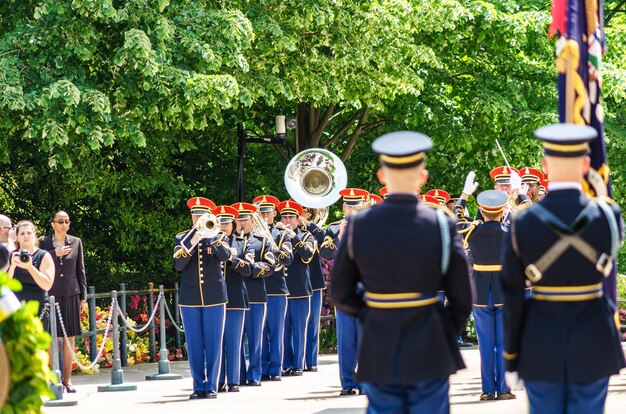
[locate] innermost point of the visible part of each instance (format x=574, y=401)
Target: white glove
x=470, y=185
x=513, y=380
x=516, y=181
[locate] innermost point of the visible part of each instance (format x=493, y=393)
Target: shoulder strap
x=350, y=242
x=613, y=227
x=445, y=240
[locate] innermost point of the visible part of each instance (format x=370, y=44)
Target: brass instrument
x=314, y=177
x=207, y=226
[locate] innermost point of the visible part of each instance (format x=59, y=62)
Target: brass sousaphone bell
x=314, y=177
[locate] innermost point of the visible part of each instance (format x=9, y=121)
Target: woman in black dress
x=36, y=273
x=70, y=285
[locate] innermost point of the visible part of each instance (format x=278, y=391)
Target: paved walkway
x=311, y=393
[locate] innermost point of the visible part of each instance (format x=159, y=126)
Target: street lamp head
x=290, y=122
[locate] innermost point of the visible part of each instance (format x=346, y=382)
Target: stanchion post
x=176, y=316
x=164, y=362
x=124, y=331
x=57, y=389
x=152, y=324
x=93, y=339
x=117, y=375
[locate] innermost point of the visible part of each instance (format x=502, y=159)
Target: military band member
x=318, y=285
x=452, y=201
x=383, y=192
x=543, y=189
x=532, y=178
x=348, y=325
x=562, y=341
x=441, y=195
x=299, y=285
x=202, y=299
x=484, y=241
x=272, y=349
x=235, y=270
x=264, y=264
x=408, y=349
x=373, y=199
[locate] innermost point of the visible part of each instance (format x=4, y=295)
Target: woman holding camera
x=69, y=287
x=32, y=266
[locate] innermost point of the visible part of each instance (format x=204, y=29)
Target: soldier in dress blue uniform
x=237, y=268
x=272, y=349
x=531, y=177
x=348, y=326
x=264, y=263
x=484, y=242
x=318, y=285
x=299, y=285
x=408, y=349
x=562, y=341
x=202, y=299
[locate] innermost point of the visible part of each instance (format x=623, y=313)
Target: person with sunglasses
x=70, y=285
x=7, y=235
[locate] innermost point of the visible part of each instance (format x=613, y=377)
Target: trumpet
x=206, y=227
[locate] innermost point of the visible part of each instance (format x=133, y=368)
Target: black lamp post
x=245, y=137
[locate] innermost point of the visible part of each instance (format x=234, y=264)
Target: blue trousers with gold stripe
x=204, y=331
x=348, y=340
x=429, y=396
x=253, y=330
x=272, y=348
x=556, y=397
x=295, y=332
x=313, y=329
x=489, y=330
x=231, y=363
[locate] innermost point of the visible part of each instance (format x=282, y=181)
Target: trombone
x=207, y=226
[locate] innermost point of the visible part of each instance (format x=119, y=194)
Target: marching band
x=262, y=280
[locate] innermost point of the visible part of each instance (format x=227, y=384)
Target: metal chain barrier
x=114, y=309
x=46, y=306
x=167, y=308
x=147, y=325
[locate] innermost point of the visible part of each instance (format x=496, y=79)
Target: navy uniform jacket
x=264, y=263
x=328, y=248
x=202, y=282
x=275, y=284
x=298, y=274
x=484, y=241
x=521, y=202
x=318, y=281
x=236, y=270
x=402, y=346
x=558, y=341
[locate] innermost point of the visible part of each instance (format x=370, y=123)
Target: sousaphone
x=314, y=177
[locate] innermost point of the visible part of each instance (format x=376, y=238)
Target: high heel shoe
x=69, y=389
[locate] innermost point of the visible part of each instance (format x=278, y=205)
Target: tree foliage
x=119, y=110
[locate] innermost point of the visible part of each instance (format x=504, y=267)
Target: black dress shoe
x=275, y=378
x=254, y=383
x=233, y=388
x=310, y=369
x=197, y=395
x=286, y=372
x=296, y=372
x=349, y=391
x=222, y=388
x=211, y=395
x=265, y=377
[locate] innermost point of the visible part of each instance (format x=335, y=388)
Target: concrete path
x=312, y=393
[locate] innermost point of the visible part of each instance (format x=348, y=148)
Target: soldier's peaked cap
x=402, y=149
x=492, y=201
x=566, y=140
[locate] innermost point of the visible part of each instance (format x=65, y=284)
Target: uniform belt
x=567, y=293
x=399, y=300
x=488, y=268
